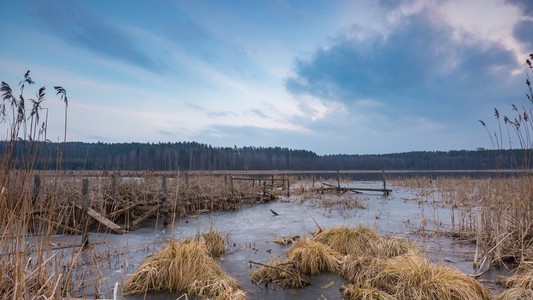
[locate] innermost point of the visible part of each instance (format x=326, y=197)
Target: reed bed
x=120, y=199
x=496, y=212
x=184, y=266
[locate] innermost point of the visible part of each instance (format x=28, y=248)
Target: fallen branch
x=317, y=225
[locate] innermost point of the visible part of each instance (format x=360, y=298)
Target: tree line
x=187, y=156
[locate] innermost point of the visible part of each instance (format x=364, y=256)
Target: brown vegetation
x=184, y=266
x=313, y=257
x=280, y=273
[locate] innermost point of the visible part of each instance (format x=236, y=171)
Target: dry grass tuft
x=516, y=294
x=347, y=240
x=283, y=274
x=184, y=266
x=359, y=269
x=413, y=277
x=356, y=292
x=390, y=247
x=215, y=243
x=285, y=240
x=313, y=257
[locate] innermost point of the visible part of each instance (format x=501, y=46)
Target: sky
x=349, y=77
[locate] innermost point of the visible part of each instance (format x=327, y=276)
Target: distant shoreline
x=127, y=173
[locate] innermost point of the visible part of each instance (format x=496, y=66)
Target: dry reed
x=184, y=266
x=346, y=240
x=355, y=292
x=312, y=257
x=214, y=242
x=413, y=277
x=285, y=240
x=523, y=278
x=283, y=274
x=515, y=294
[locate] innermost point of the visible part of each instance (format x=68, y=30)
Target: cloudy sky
x=356, y=77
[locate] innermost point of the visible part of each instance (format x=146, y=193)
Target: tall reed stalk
x=506, y=210
x=29, y=269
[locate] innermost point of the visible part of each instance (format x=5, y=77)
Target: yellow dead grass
x=215, y=243
x=347, y=240
x=313, y=257
x=184, y=266
x=516, y=294
x=283, y=274
x=356, y=292
x=413, y=277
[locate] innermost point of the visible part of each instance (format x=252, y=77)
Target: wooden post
x=338, y=182
x=84, y=215
x=385, y=192
x=164, y=195
x=225, y=182
x=231, y=185
x=114, y=185
x=36, y=188
x=288, y=186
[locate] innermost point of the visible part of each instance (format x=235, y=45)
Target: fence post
x=232, y=187
x=338, y=182
x=385, y=192
x=164, y=189
x=114, y=185
x=84, y=208
x=36, y=188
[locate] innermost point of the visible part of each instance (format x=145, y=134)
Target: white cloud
x=314, y=109
x=489, y=21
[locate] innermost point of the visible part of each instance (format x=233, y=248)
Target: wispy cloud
x=75, y=23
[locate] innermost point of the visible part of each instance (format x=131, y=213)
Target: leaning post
x=84, y=208
x=385, y=192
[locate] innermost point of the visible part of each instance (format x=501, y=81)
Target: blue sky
x=332, y=77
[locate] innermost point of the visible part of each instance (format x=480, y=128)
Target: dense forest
x=195, y=156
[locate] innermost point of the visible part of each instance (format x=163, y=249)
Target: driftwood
x=354, y=189
x=103, y=220
x=274, y=212
x=317, y=225
x=143, y=217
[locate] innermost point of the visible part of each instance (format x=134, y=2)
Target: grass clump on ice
x=356, y=292
x=312, y=257
x=363, y=241
x=413, y=277
x=345, y=240
x=215, y=243
x=283, y=274
x=515, y=294
x=184, y=266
